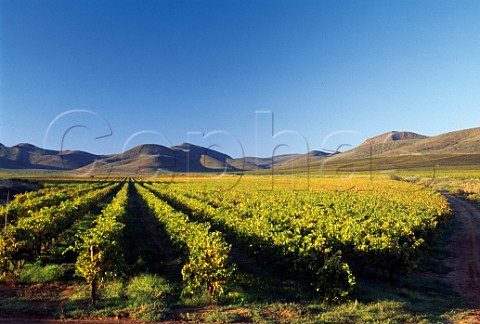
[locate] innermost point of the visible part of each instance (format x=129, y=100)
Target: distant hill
x=279, y=161
x=463, y=141
x=412, y=149
x=400, y=143
x=393, y=136
x=28, y=156
x=409, y=150
x=383, y=143
x=151, y=158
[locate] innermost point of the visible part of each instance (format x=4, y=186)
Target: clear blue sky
x=174, y=67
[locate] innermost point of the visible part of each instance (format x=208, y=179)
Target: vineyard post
x=6, y=212
x=93, y=284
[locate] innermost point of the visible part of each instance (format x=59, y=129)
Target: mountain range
x=383, y=151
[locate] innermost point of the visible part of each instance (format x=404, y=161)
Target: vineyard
x=198, y=238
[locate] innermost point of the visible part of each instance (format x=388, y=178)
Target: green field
x=232, y=248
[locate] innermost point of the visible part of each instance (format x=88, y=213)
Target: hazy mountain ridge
x=186, y=157
x=28, y=156
x=393, y=136
x=150, y=158
x=401, y=143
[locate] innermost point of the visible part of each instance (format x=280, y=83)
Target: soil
x=6, y=318
x=465, y=252
x=44, y=296
x=147, y=231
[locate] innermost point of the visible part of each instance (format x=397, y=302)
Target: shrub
x=113, y=289
x=335, y=279
x=457, y=191
x=474, y=197
x=148, y=294
x=38, y=273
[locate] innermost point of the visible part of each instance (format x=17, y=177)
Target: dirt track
x=465, y=249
